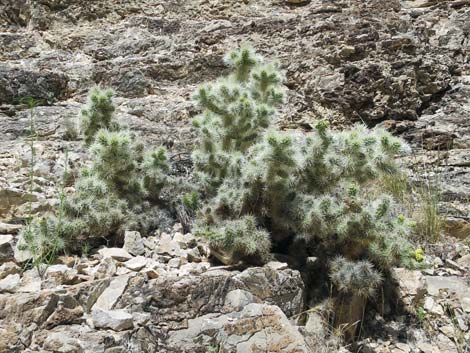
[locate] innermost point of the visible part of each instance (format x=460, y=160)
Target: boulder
x=256, y=328
x=133, y=243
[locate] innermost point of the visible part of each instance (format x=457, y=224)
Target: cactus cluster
x=268, y=186
x=115, y=192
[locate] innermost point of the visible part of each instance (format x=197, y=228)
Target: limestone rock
x=9, y=268
x=117, y=320
x=133, y=243
x=237, y=299
x=6, y=228
x=136, y=263
x=6, y=248
x=258, y=327
x=10, y=283
x=117, y=254
x=451, y=284
x=411, y=284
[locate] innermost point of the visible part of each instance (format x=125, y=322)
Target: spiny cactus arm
x=242, y=61
x=98, y=113
x=266, y=84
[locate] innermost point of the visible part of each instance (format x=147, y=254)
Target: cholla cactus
x=354, y=277
x=98, y=114
x=115, y=161
x=154, y=170
x=119, y=190
x=242, y=238
x=94, y=209
x=236, y=110
x=321, y=185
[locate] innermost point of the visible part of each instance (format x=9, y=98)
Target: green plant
x=430, y=222
x=212, y=349
x=119, y=189
x=421, y=313
x=321, y=187
x=44, y=237
x=191, y=200
x=98, y=114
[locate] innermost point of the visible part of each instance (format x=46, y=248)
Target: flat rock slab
x=111, y=295
x=451, y=284
x=117, y=254
x=117, y=320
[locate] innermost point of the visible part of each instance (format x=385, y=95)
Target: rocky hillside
x=403, y=65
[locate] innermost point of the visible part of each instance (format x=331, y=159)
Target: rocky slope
x=403, y=65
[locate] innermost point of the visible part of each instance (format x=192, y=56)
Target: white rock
x=432, y=307
x=237, y=299
x=464, y=261
x=133, y=243
x=106, y=268
x=31, y=282
x=137, y=263
x=21, y=256
x=112, y=293
x=6, y=228
x=117, y=320
x=403, y=347
x=276, y=265
x=10, y=283
x=174, y=263
x=117, y=254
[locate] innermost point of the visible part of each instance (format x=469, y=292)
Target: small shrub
x=430, y=223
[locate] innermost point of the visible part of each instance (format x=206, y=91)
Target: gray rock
x=412, y=285
x=432, y=307
x=237, y=299
x=44, y=85
x=6, y=248
x=137, y=263
x=117, y=320
x=58, y=342
x=9, y=268
x=133, y=243
x=106, y=268
x=452, y=284
x=117, y=254
x=168, y=246
x=10, y=283
x=112, y=293
x=6, y=228
x=258, y=327
x=464, y=261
